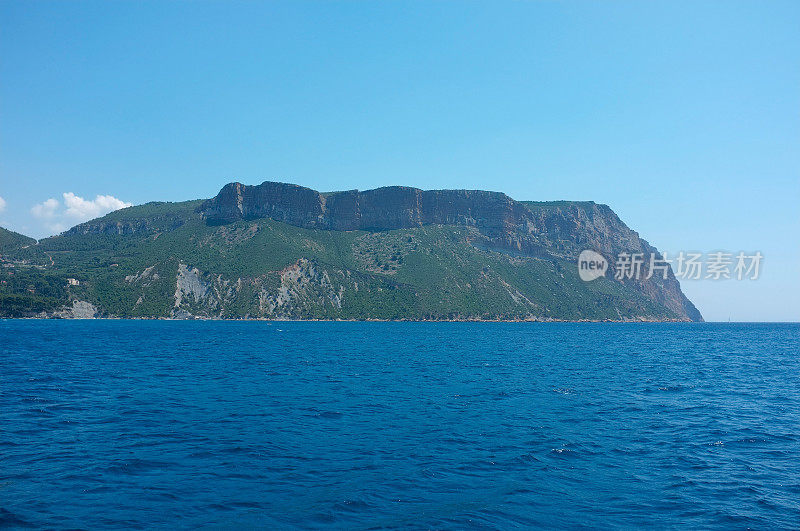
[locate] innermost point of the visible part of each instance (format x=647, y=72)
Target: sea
x=110, y=424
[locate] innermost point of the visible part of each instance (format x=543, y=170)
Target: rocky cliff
x=281, y=251
x=392, y=207
x=536, y=229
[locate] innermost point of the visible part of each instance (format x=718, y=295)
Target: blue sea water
x=130, y=424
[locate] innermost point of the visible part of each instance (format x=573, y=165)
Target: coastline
x=262, y=319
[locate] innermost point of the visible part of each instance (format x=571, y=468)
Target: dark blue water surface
x=384, y=425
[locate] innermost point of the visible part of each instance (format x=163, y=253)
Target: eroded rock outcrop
x=393, y=207
x=302, y=282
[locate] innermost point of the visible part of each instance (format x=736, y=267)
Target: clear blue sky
x=684, y=117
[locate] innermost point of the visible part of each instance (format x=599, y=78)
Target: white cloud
x=46, y=209
x=76, y=209
x=2, y=204
x=82, y=209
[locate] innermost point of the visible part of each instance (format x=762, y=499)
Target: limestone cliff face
x=393, y=207
x=553, y=229
x=567, y=228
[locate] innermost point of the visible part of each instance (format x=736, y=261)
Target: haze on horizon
x=681, y=116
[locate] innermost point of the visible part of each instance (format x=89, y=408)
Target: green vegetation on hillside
x=163, y=260
x=10, y=240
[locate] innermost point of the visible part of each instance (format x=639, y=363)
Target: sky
x=684, y=117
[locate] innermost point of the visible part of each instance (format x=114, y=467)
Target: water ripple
x=115, y=424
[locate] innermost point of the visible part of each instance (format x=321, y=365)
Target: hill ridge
x=279, y=250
